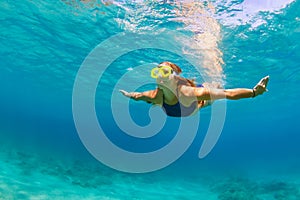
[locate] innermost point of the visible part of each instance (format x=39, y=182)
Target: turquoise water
x=43, y=45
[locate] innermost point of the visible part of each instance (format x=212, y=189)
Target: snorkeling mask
x=161, y=71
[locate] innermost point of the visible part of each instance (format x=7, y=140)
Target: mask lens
x=165, y=71
x=155, y=72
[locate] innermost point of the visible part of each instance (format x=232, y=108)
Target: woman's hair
x=177, y=69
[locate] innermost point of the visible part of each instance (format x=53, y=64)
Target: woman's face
x=164, y=75
x=166, y=81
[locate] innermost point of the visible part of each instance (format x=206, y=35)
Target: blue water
x=43, y=46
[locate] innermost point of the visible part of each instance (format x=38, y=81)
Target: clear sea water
x=43, y=45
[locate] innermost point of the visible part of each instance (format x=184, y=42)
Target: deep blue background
x=43, y=45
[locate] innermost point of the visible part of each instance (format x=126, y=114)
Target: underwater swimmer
x=181, y=97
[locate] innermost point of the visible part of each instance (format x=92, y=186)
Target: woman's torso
x=179, y=105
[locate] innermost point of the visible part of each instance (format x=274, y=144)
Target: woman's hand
x=151, y=96
x=261, y=86
x=125, y=93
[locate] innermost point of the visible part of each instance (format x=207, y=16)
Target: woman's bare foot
x=261, y=86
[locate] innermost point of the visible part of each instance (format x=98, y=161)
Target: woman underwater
x=181, y=97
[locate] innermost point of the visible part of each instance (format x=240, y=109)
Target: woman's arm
x=151, y=96
x=233, y=94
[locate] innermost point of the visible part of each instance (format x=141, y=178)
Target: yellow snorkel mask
x=161, y=71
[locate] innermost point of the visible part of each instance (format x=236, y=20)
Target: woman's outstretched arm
x=151, y=96
x=233, y=94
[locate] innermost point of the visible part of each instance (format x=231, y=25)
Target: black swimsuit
x=179, y=110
